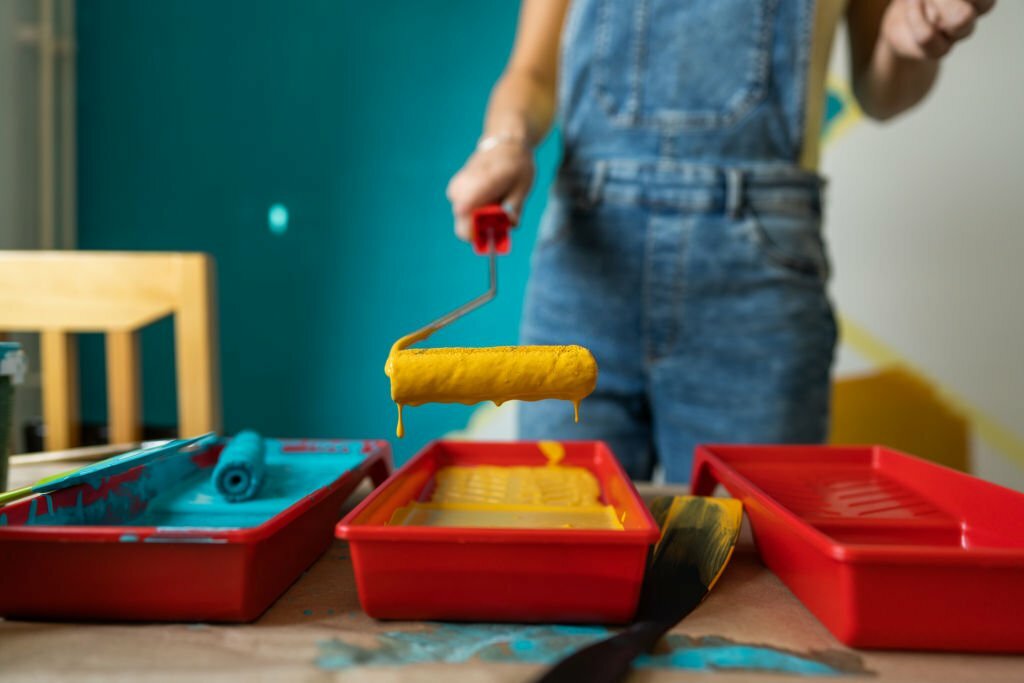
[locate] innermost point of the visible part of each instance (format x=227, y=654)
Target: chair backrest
x=60, y=293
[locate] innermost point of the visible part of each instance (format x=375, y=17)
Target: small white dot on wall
x=277, y=219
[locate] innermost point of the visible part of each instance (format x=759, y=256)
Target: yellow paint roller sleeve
x=499, y=374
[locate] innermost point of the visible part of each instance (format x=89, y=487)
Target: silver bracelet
x=489, y=142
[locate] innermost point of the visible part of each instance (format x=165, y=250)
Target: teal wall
x=195, y=117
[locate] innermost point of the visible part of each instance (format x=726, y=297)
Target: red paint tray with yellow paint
x=887, y=550
x=473, y=569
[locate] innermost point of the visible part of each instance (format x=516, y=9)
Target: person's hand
x=500, y=171
x=928, y=29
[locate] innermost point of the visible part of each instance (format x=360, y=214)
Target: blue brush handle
x=241, y=469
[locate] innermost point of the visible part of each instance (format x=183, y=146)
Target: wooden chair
x=58, y=294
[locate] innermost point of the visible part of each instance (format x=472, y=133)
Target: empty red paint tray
x=887, y=550
x=499, y=574
x=155, y=543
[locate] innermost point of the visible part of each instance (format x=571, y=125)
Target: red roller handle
x=490, y=224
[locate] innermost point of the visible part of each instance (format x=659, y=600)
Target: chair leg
x=124, y=396
x=196, y=349
x=59, y=351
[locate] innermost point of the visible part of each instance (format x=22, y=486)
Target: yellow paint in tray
x=523, y=497
x=476, y=515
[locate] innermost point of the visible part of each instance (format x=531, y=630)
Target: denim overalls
x=682, y=241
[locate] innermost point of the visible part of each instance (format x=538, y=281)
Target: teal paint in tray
x=177, y=491
x=196, y=503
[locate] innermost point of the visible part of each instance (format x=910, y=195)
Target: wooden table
x=316, y=632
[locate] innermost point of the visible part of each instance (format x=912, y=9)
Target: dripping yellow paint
x=553, y=451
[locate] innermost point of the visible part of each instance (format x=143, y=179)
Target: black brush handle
x=608, y=660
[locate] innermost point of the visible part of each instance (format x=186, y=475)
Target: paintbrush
x=106, y=468
x=697, y=539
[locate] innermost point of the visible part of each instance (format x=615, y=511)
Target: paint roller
x=241, y=467
x=499, y=374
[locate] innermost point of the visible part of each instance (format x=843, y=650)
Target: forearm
x=896, y=45
x=519, y=115
x=890, y=84
x=522, y=105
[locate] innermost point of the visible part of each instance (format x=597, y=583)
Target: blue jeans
x=701, y=293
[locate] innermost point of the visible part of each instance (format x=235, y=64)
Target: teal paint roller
x=241, y=468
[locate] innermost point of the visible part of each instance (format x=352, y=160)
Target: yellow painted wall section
x=900, y=409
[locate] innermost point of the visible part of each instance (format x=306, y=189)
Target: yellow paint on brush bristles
x=712, y=526
x=498, y=374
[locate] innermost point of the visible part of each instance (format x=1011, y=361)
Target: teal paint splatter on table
x=721, y=654
x=546, y=644
x=458, y=643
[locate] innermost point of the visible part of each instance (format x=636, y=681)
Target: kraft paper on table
x=750, y=628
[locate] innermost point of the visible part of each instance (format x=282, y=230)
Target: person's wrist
x=489, y=141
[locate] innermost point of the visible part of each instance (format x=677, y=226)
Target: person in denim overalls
x=682, y=241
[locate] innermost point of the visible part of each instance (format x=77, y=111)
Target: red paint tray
x=128, y=547
x=483, y=574
x=887, y=550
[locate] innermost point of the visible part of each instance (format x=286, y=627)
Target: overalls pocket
x=693, y=65
x=791, y=241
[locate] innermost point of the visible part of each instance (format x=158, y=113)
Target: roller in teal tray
x=242, y=467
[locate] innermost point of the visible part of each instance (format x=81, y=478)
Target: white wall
x=926, y=228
